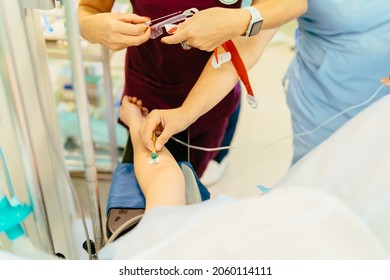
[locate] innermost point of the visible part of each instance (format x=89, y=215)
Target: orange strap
x=239, y=65
x=240, y=68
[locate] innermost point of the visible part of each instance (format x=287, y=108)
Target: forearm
x=214, y=84
x=275, y=13
x=88, y=8
x=92, y=7
x=162, y=183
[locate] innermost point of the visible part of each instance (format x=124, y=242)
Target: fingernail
x=147, y=22
x=158, y=146
x=172, y=30
x=162, y=41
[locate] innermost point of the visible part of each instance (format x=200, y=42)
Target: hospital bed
x=333, y=204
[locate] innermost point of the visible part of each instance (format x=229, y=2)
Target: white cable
x=328, y=120
x=289, y=136
x=203, y=148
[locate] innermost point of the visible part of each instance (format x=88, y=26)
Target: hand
x=166, y=123
x=115, y=31
x=126, y=108
x=386, y=81
x=210, y=28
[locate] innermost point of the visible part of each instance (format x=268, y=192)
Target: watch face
x=256, y=26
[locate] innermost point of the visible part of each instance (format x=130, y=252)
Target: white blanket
x=333, y=204
x=354, y=165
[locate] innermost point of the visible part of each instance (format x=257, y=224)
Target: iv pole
x=73, y=36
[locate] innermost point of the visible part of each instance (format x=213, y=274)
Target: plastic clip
x=157, y=28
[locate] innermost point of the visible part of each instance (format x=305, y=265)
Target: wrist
x=242, y=19
x=84, y=32
x=255, y=21
x=189, y=114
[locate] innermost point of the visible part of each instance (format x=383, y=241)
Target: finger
x=125, y=99
x=144, y=111
x=162, y=139
x=139, y=103
x=130, y=28
x=129, y=40
x=117, y=41
x=131, y=18
x=146, y=132
x=178, y=37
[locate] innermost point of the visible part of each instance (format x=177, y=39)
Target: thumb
x=176, y=38
x=146, y=132
x=133, y=18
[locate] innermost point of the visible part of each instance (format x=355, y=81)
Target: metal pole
x=110, y=112
x=73, y=36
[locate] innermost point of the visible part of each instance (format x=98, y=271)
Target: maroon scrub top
x=162, y=75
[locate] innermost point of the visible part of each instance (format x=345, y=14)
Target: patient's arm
x=162, y=183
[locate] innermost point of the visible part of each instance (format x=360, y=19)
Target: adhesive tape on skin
x=222, y=58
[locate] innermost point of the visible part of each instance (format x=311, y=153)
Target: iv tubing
x=331, y=118
x=9, y=183
x=289, y=136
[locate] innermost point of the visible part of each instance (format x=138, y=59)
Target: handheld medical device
x=157, y=28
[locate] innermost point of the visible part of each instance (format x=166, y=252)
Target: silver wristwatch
x=255, y=22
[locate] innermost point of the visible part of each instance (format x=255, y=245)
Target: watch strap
x=255, y=17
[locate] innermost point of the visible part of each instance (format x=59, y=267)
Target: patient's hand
x=128, y=113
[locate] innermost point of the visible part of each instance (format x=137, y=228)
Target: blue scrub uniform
x=343, y=50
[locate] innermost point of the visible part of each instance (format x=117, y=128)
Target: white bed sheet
x=354, y=165
x=333, y=204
